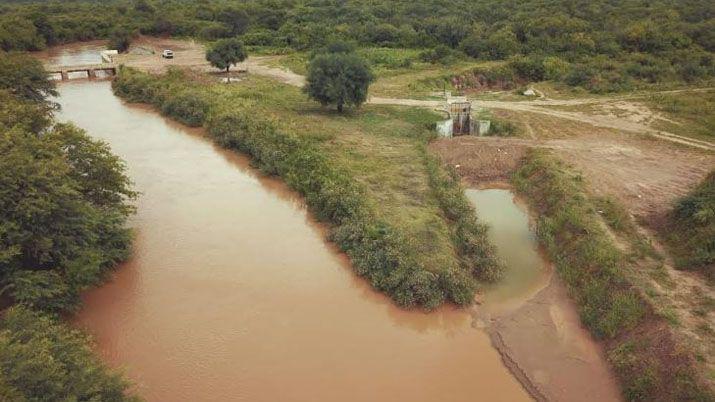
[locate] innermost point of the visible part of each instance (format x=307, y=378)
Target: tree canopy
x=338, y=79
x=63, y=208
x=24, y=77
x=43, y=360
x=603, y=45
x=225, y=53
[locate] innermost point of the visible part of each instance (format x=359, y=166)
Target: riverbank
x=636, y=307
x=233, y=292
x=402, y=220
x=650, y=360
x=529, y=316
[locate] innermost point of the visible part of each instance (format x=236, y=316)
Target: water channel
x=232, y=292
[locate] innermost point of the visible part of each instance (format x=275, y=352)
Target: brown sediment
x=534, y=325
x=513, y=366
x=546, y=347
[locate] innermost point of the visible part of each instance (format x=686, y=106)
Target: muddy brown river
x=233, y=294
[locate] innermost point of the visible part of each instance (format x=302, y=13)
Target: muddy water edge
x=529, y=315
x=232, y=292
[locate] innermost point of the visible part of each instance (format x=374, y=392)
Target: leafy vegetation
x=600, y=46
x=62, y=199
x=404, y=222
x=338, y=77
x=119, y=39
x=639, y=343
x=690, y=232
x=43, y=360
x=63, y=207
x=225, y=53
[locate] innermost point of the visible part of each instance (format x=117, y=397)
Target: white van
x=167, y=54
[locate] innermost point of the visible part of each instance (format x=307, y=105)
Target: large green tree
x=25, y=77
x=225, y=53
x=338, y=79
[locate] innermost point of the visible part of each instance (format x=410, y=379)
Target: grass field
x=688, y=113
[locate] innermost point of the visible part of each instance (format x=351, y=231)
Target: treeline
x=63, y=208
x=597, y=44
x=379, y=251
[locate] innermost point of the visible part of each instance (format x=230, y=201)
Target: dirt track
x=145, y=55
x=630, y=168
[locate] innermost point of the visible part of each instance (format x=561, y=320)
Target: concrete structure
x=108, y=55
x=460, y=110
x=90, y=69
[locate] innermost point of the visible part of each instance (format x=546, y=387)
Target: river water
x=233, y=294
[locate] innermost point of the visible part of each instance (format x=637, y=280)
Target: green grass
x=403, y=220
x=639, y=344
x=690, y=231
x=689, y=113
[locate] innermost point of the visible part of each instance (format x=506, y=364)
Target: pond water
x=232, y=293
x=527, y=271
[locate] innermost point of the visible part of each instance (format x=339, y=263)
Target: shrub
x=187, y=107
x=440, y=54
x=41, y=359
x=690, y=230
x=555, y=69
x=529, y=68
x=120, y=39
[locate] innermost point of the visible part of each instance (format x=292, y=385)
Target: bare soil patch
x=646, y=175
x=145, y=55
x=481, y=159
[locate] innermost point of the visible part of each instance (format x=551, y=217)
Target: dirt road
x=145, y=55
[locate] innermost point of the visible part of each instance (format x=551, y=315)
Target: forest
x=598, y=45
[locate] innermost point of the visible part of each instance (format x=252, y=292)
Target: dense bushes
x=43, y=360
x=690, y=231
x=63, y=208
x=378, y=250
x=649, y=364
x=187, y=107
x=674, y=37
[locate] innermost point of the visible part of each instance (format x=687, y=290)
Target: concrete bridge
x=90, y=69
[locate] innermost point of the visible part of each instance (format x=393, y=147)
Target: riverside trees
x=64, y=201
